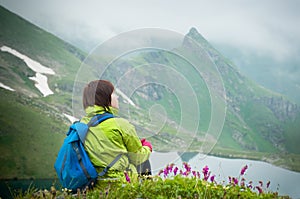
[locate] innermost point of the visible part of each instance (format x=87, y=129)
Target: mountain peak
x=194, y=34
x=193, y=30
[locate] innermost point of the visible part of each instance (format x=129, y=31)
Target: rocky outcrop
x=282, y=109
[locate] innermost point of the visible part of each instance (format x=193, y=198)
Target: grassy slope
x=40, y=46
x=29, y=138
x=32, y=129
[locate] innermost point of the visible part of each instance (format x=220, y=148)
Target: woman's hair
x=98, y=92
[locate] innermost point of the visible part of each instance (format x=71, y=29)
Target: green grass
x=188, y=184
x=258, y=117
x=40, y=46
x=293, y=135
x=29, y=138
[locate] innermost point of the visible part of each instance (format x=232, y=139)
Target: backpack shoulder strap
x=97, y=119
x=102, y=173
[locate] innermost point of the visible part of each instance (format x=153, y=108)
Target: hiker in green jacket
x=113, y=136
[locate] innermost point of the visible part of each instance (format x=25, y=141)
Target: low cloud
x=269, y=27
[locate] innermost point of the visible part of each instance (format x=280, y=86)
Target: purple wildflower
x=181, y=173
x=175, y=171
x=187, y=167
x=261, y=183
x=268, y=184
x=170, y=167
x=198, y=174
x=259, y=189
x=206, y=176
x=205, y=170
x=194, y=173
x=244, y=169
x=160, y=172
x=242, y=182
x=212, y=178
x=250, y=185
x=166, y=172
x=127, y=176
x=235, y=181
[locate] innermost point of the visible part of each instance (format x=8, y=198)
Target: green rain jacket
x=110, y=138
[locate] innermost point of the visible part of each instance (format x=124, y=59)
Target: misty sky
x=269, y=27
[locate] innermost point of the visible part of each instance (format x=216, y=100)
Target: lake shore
x=283, y=160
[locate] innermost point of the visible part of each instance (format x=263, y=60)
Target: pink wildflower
x=166, y=172
x=250, y=185
x=181, y=172
x=170, y=167
x=205, y=170
x=160, y=172
x=127, y=176
x=187, y=167
x=198, y=174
x=175, y=171
x=242, y=182
x=244, y=169
x=212, y=178
x=259, y=189
x=206, y=176
x=268, y=184
x=235, y=181
x=194, y=173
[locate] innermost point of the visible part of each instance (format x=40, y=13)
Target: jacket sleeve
x=137, y=153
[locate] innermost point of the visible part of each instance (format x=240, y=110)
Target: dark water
x=11, y=188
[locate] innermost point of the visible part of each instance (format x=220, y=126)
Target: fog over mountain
x=270, y=27
x=261, y=37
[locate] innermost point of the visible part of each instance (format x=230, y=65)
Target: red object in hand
x=146, y=143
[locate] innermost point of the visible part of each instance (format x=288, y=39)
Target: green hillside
x=31, y=133
x=42, y=47
x=32, y=127
x=258, y=120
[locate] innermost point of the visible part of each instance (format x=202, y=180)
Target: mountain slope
x=31, y=133
x=32, y=126
x=278, y=75
x=257, y=119
x=42, y=47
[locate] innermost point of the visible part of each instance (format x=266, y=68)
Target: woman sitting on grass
x=113, y=136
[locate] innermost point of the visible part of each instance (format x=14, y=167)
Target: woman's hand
x=146, y=143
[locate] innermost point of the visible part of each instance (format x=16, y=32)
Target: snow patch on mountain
x=6, y=87
x=125, y=97
x=71, y=118
x=42, y=84
x=41, y=81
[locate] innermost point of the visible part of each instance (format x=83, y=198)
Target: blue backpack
x=73, y=166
